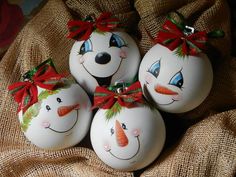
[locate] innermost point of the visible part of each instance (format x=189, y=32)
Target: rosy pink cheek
x=123, y=54
x=45, y=124
x=177, y=97
x=107, y=147
x=148, y=78
x=136, y=132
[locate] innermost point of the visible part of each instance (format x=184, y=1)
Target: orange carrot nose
x=121, y=137
x=63, y=110
x=164, y=90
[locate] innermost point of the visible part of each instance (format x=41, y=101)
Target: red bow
x=172, y=37
x=81, y=30
x=26, y=93
x=105, y=99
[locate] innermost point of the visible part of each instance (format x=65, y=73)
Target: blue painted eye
x=86, y=47
x=177, y=80
x=155, y=68
x=117, y=41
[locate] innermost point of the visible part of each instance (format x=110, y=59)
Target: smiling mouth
x=102, y=81
x=148, y=95
x=57, y=131
x=163, y=104
x=128, y=157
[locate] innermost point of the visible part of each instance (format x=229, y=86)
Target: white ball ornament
x=103, y=56
x=175, y=84
x=176, y=76
x=127, y=138
x=59, y=118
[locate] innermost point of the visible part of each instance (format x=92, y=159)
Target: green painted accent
x=193, y=46
x=182, y=21
x=100, y=32
x=31, y=73
x=168, y=41
x=178, y=52
x=118, y=85
x=114, y=110
x=135, y=91
x=16, y=90
x=26, y=100
x=35, y=108
x=100, y=94
x=216, y=34
x=31, y=112
x=130, y=100
x=44, y=94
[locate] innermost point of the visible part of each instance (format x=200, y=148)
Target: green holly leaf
x=31, y=112
x=114, y=110
x=44, y=94
x=178, y=51
x=100, y=32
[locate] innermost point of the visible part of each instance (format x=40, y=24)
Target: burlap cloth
x=201, y=142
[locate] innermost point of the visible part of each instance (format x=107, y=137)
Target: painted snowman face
x=175, y=84
x=103, y=59
x=60, y=118
x=129, y=141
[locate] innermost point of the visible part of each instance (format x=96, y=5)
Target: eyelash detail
x=177, y=80
x=124, y=126
x=112, y=131
x=86, y=47
x=59, y=100
x=155, y=68
x=48, y=108
x=117, y=41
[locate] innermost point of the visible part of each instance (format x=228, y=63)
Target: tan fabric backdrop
x=206, y=148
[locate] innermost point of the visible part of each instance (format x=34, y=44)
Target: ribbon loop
x=185, y=43
x=185, y=40
x=26, y=93
x=105, y=99
x=81, y=30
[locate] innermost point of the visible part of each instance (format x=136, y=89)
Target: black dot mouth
x=128, y=158
x=57, y=131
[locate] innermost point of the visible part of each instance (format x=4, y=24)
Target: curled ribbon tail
x=106, y=22
x=104, y=98
x=170, y=40
x=47, y=77
x=24, y=93
x=182, y=41
x=17, y=90
x=29, y=98
x=79, y=30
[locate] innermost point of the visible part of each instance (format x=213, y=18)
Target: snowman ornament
x=54, y=113
x=100, y=56
x=175, y=75
x=126, y=134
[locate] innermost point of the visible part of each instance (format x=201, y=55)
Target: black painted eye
x=86, y=47
x=124, y=126
x=48, y=108
x=117, y=41
x=112, y=131
x=59, y=100
x=155, y=68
